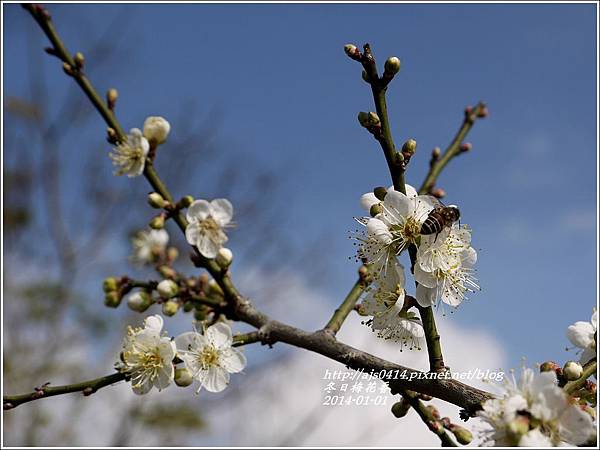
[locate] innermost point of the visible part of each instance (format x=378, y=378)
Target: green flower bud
x=215, y=289
x=380, y=192
x=392, y=65
x=350, y=49
x=400, y=409
x=139, y=301
x=183, y=377
x=167, y=272
x=410, y=147
x=224, y=257
x=200, y=314
x=188, y=306
x=186, y=201
x=112, y=299
x=463, y=436
x=572, y=370
x=158, y=222
x=548, y=366
x=172, y=253
x=368, y=119
x=79, y=60
x=167, y=289
x=170, y=307
x=111, y=96
x=110, y=284
x=375, y=209
x=156, y=200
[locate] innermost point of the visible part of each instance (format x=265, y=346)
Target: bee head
x=453, y=213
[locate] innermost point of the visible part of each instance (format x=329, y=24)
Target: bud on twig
x=437, y=192
x=183, y=377
x=482, y=112
x=156, y=200
x=172, y=254
x=68, y=69
x=170, y=307
x=549, y=366
x=185, y=202
x=375, y=210
x=352, y=51
x=465, y=147
x=409, y=148
x=111, y=136
x=463, y=436
x=139, y=301
x=380, y=192
x=391, y=67
x=79, y=60
x=111, y=98
x=400, y=409
x=158, y=222
x=110, y=284
x=167, y=289
x=572, y=370
x=112, y=299
x=368, y=119
x=224, y=258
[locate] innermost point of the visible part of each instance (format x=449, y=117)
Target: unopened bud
x=466, y=146
x=156, y=200
x=224, y=257
x=392, y=66
x=351, y=50
x=380, y=192
x=158, y=222
x=111, y=135
x=425, y=397
x=186, y=201
x=167, y=288
x=409, y=147
x=200, y=314
x=183, y=377
x=468, y=110
x=572, y=370
x=375, y=209
x=188, y=306
x=170, y=307
x=112, y=299
x=68, y=69
x=463, y=436
x=435, y=426
x=363, y=272
x=548, y=366
x=139, y=301
x=111, y=97
x=156, y=129
x=368, y=119
x=482, y=112
x=436, y=153
x=214, y=288
x=438, y=192
x=172, y=253
x=110, y=284
x=79, y=60
x=434, y=412
x=400, y=409
x=167, y=272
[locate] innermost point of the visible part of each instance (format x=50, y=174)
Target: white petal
x=367, y=200
x=222, y=211
x=469, y=257
x=397, y=204
x=154, y=323
x=535, y=438
x=198, y=210
x=188, y=341
x=142, y=389
x=379, y=231
x=233, y=360
x=164, y=378
x=576, y=426
x=216, y=379
x=581, y=334
x=425, y=296
x=219, y=335
x=192, y=233
x=594, y=319
x=410, y=191
x=207, y=246
x=587, y=355
x=427, y=279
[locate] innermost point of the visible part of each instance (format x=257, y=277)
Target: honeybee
x=440, y=217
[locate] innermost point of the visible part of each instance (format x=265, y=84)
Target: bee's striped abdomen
x=433, y=224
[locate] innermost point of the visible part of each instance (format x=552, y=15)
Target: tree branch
x=269, y=330
x=426, y=415
x=340, y=314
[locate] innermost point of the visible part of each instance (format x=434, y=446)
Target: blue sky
x=289, y=98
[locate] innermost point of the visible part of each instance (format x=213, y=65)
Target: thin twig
x=340, y=314
x=426, y=415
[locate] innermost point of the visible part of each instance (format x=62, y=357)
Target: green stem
x=87, y=387
x=432, y=338
x=427, y=417
x=245, y=339
x=451, y=151
x=340, y=314
x=588, y=370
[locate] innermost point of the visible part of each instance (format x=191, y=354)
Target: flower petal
x=232, y=360
x=216, y=379
x=189, y=341
x=367, y=200
x=198, y=211
x=425, y=296
x=581, y=334
x=154, y=323
x=219, y=335
x=221, y=210
x=208, y=246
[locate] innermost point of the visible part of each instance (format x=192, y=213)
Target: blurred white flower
x=130, y=156
x=385, y=302
x=209, y=357
x=167, y=289
x=147, y=356
x=583, y=335
x=156, y=129
x=444, y=267
x=535, y=411
x=206, y=222
x=147, y=244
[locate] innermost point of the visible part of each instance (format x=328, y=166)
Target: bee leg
x=436, y=235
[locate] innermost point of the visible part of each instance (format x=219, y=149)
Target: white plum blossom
x=130, y=156
x=147, y=244
x=147, y=356
x=583, y=335
x=209, y=357
x=535, y=412
x=206, y=221
x=385, y=302
x=444, y=267
x=397, y=226
x=156, y=129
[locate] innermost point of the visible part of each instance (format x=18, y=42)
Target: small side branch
x=426, y=415
x=45, y=391
x=340, y=314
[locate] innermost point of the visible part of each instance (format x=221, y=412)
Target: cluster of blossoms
x=443, y=268
x=129, y=156
x=535, y=412
x=583, y=335
x=148, y=356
